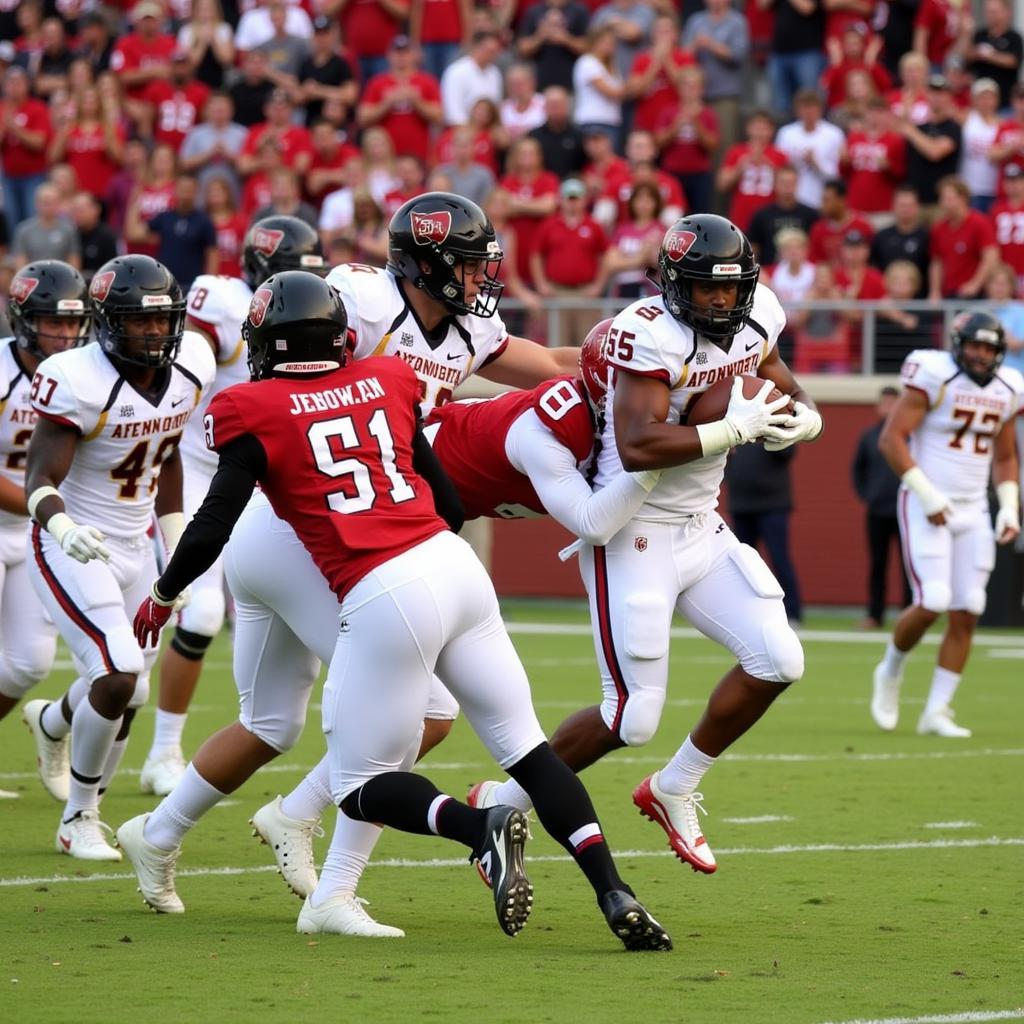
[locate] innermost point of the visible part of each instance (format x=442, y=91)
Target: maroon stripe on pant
x=604, y=629
x=901, y=511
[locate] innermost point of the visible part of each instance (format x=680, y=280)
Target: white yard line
x=968, y=1017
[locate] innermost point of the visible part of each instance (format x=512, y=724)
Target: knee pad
x=191, y=646
x=278, y=733
x=141, y=694
x=19, y=675
x=640, y=717
x=124, y=651
x=936, y=596
x=785, y=653
x=975, y=601
x=204, y=614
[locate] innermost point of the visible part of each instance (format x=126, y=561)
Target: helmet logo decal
x=155, y=301
x=259, y=306
x=677, y=244
x=23, y=287
x=727, y=269
x=101, y=285
x=266, y=240
x=431, y=227
x=70, y=305
x=311, y=260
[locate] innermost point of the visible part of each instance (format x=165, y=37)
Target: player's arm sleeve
x=919, y=374
x=428, y=465
x=242, y=462
x=55, y=399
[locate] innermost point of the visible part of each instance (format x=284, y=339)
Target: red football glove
x=151, y=617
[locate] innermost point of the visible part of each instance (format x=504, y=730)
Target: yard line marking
x=951, y=824
x=969, y=1017
x=763, y=819
x=453, y=862
x=1006, y=652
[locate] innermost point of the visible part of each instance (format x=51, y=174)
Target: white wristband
x=172, y=526
x=931, y=498
x=717, y=437
x=37, y=496
x=59, y=524
x=1008, y=493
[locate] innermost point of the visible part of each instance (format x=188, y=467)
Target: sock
x=56, y=716
x=92, y=736
x=310, y=798
x=117, y=750
x=351, y=846
x=511, y=793
x=682, y=775
x=180, y=810
x=167, y=733
x=944, y=684
x=893, y=660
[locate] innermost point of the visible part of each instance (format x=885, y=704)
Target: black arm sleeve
x=446, y=498
x=242, y=463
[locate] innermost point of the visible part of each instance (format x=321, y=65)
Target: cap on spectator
x=400, y=42
x=984, y=85
x=855, y=237
x=1013, y=171
x=938, y=83
x=146, y=9
x=573, y=188
x=321, y=24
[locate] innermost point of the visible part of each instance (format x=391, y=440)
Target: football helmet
x=296, y=324
x=705, y=247
x=136, y=286
x=47, y=288
x=274, y=244
x=984, y=329
x=429, y=240
x=594, y=364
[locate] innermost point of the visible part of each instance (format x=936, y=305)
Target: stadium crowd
x=886, y=163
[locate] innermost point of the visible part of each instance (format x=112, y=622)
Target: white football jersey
x=125, y=435
x=219, y=305
x=16, y=419
x=647, y=340
x=954, y=443
x=383, y=324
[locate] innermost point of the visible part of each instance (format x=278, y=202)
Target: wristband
x=932, y=500
x=172, y=526
x=717, y=437
x=1008, y=493
x=158, y=598
x=58, y=525
x=37, y=496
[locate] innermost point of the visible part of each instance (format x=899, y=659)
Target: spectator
x=1009, y=143
x=338, y=208
x=369, y=28
x=566, y=258
x=560, y=141
x=747, y=173
x=330, y=154
x=256, y=26
x=210, y=148
x=292, y=140
x=250, y=93
x=821, y=336
x=782, y=213
x=933, y=147
x=603, y=169
x=473, y=77
x=1007, y=216
x=898, y=331
x=632, y=22
x=553, y=35
x=792, y=280
x=836, y=220
x=856, y=280
x=960, y=82
x=523, y=109
x=229, y=225
x=404, y=101
x=635, y=244
x=324, y=74
x=533, y=196
x=124, y=183
x=964, y=250
x=997, y=49
x=759, y=494
x=687, y=137
x=379, y=163
x=24, y=135
x=906, y=238
x=812, y=146
x=172, y=107
x=95, y=41
x=497, y=209
x=859, y=92
x=410, y=175
x=859, y=52
x=143, y=55
x=153, y=194
x=64, y=179
x=654, y=80
x=797, y=57
x=910, y=101
x=469, y=179
x=874, y=163
x=29, y=40
x=47, y=235
x=97, y=243
x=439, y=28
x=49, y=67
x=721, y=41
x=368, y=231
x=598, y=88
x=937, y=25
x=488, y=137
x=641, y=153
x=209, y=42
x=1002, y=292
x=877, y=486
x=91, y=141
x=979, y=128
x=286, y=199
x=285, y=47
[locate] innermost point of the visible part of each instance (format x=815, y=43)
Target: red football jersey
x=339, y=461
x=471, y=444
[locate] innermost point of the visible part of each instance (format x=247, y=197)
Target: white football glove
x=82, y=543
x=752, y=417
x=803, y=425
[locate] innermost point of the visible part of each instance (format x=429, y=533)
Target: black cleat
x=627, y=917
x=500, y=862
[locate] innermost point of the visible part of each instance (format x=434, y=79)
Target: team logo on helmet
x=101, y=285
x=431, y=227
x=23, y=287
x=259, y=306
x=678, y=243
x=266, y=240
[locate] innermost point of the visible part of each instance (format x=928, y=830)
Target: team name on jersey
x=712, y=375
x=27, y=416
x=336, y=398
x=420, y=364
x=961, y=401
x=142, y=428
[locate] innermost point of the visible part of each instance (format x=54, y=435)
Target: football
x=712, y=404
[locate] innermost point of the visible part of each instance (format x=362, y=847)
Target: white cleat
x=51, y=755
x=154, y=867
x=885, y=699
x=291, y=840
x=343, y=914
x=161, y=774
x=940, y=723
x=481, y=796
x=677, y=815
x=83, y=837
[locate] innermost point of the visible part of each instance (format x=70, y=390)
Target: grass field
x=863, y=876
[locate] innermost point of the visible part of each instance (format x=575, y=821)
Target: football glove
x=82, y=543
x=152, y=616
x=803, y=425
x=746, y=419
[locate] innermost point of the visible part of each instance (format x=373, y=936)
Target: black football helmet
x=984, y=329
x=430, y=238
x=47, y=288
x=274, y=244
x=296, y=324
x=134, y=286
x=705, y=247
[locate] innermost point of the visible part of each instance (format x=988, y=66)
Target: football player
x=949, y=432
x=712, y=321
x=216, y=310
x=103, y=457
x=339, y=454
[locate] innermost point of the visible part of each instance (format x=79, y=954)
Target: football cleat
x=162, y=773
x=51, y=755
x=677, y=815
x=343, y=914
x=885, y=699
x=940, y=723
x=83, y=837
x=154, y=867
x=291, y=840
x=630, y=921
x=481, y=796
x=500, y=862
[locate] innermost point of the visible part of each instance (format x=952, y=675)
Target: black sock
x=564, y=807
